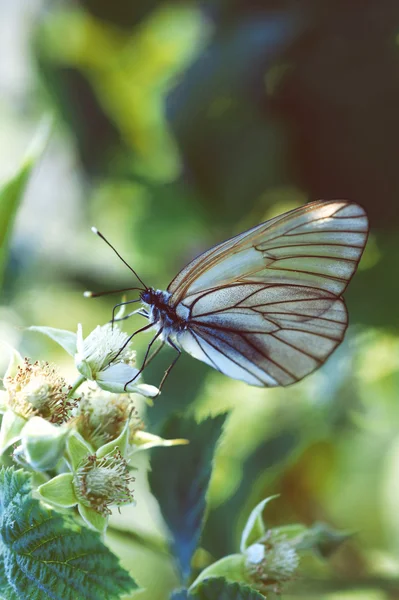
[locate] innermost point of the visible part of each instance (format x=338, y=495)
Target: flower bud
x=270, y=562
x=42, y=444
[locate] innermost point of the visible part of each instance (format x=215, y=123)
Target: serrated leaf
x=6, y=591
x=46, y=556
x=12, y=191
x=219, y=589
x=66, y=339
x=179, y=480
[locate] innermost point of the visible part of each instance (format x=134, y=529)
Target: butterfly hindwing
x=266, y=335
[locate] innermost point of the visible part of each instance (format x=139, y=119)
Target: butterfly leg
x=172, y=364
x=154, y=354
x=113, y=320
x=128, y=340
x=140, y=311
x=146, y=359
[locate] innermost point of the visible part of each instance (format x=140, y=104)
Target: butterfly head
x=156, y=300
x=154, y=297
x=161, y=312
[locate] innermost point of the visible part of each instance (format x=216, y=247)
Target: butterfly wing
x=317, y=245
x=265, y=306
x=265, y=335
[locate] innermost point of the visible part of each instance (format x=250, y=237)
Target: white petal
x=79, y=340
x=16, y=360
x=115, y=377
x=149, y=391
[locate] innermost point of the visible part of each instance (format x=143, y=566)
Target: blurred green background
x=177, y=125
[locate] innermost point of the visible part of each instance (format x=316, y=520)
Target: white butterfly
x=265, y=306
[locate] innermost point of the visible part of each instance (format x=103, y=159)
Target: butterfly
x=264, y=307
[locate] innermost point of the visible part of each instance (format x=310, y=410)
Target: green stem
x=75, y=386
x=152, y=543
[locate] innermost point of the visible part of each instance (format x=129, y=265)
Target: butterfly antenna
x=89, y=294
x=95, y=230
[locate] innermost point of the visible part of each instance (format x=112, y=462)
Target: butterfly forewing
x=265, y=307
x=318, y=245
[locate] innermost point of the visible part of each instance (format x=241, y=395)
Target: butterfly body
x=161, y=314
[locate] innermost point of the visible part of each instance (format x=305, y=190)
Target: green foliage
x=47, y=556
x=180, y=595
x=322, y=539
x=12, y=191
x=183, y=125
x=219, y=589
x=254, y=528
x=180, y=483
x=6, y=591
x=11, y=195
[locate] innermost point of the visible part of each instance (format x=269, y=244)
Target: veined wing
x=265, y=335
x=317, y=245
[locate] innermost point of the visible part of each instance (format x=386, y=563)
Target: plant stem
x=78, y=383
x=152, y=543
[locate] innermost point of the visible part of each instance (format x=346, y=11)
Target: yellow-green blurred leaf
x=12, y=191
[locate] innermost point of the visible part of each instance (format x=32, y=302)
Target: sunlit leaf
x=231, y=568
x=12, y=191
x=66, y=339
x=179, y=480
x=254, y=527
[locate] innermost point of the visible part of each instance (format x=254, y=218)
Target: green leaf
x=231, y=567
x=219, y=589
x=179, y=480
x=12, y=191
x=180, y=595
x=254, y=528
x=46, y=556
x=6, y=591
x=322, y=539
x=66, y=339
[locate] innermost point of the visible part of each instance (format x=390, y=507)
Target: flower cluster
x=77, y=439
x=38, y=390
